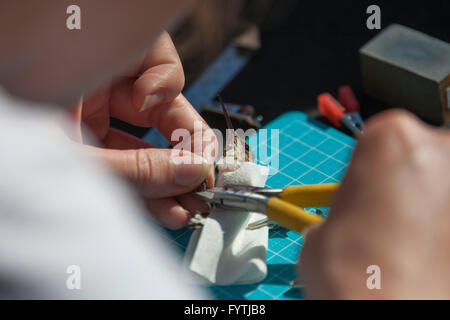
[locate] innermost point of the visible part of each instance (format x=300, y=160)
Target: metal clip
x=260, y=224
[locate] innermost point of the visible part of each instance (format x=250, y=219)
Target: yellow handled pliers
x=283, y=206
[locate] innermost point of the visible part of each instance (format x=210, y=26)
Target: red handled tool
x=348, y=99
x=338, y=114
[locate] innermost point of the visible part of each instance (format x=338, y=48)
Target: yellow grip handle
x=290, y=216
x=316, y=195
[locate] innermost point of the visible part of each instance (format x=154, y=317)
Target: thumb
x=158, y=172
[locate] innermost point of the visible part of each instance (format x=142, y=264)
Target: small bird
x=236, y=151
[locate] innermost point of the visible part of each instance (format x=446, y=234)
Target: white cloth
x=223, y=251
x=60, y=208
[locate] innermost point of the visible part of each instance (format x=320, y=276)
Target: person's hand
x=150, y=96
x=392, y=211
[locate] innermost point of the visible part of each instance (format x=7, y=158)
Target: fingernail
x=152, y=100
x=191, y=174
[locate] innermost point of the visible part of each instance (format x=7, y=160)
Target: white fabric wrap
x=223, y=251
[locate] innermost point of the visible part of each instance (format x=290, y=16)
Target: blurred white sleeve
x=61, y=212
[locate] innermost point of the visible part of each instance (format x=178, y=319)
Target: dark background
x=315, y=49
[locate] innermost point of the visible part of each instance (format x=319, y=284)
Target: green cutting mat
x=310, y=152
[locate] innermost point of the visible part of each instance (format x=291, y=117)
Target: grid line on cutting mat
x=311, y=153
